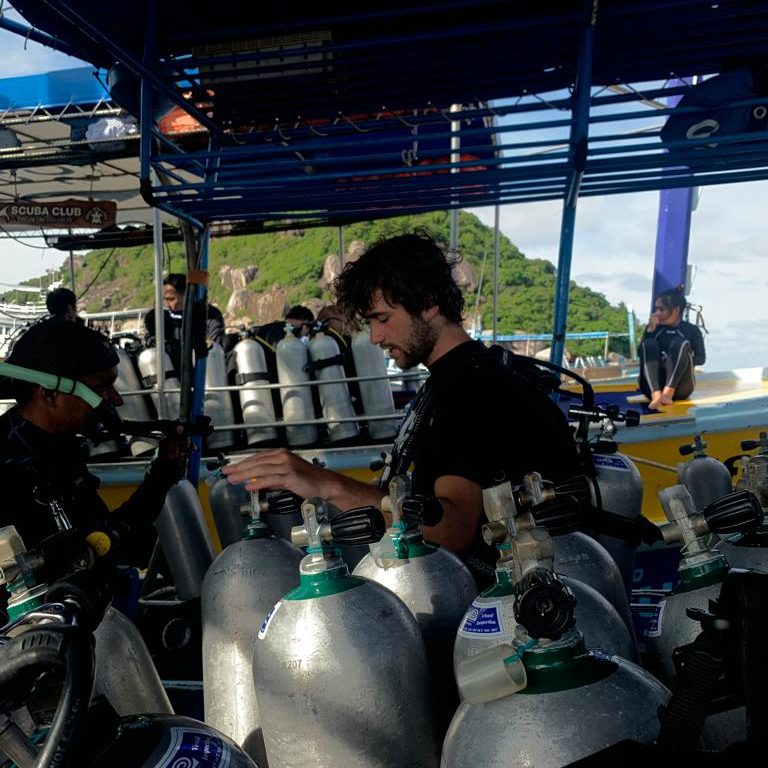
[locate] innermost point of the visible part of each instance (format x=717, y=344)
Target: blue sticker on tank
x=195, y=748
x=611, y=462
x=483, y=620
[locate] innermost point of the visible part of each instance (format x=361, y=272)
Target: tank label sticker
x=611, y=462
x=483, y=619
x=656, y=619
x=268, y=620
x=194, y=748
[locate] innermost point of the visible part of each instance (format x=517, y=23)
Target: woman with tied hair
x=669, y=350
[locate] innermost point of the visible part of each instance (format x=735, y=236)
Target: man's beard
x=421, y=342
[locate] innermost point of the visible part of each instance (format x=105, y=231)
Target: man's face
x=408, y=338
x=74, y=415
x=172, y=299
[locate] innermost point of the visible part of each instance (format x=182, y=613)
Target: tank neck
x=256, y=530
x=324, y=584
x=702, y=574
x=562, y=664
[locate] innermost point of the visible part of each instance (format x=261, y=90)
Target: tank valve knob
x=631, y=418
x=361, y=525
x=559, y=516
x=544, y=605
x=284, y=503
x=422, y=510
x=737, y=511
x=749, y=445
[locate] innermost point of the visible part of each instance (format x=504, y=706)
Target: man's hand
x=280, y=469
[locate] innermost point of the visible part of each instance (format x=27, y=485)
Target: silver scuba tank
x=170, y=406
x=218, y=405
x=134, y=407
x=376, y=393
x=256, y=404
x=705, y=477
x=580, y=557
x=239, y=589
x=621, y=492
x=185, y=539
x=335, y=400
x=125, y=672
x=292, y=359
x=750, y=549
x=339, y=665
x=702, y=572
x=432, y=582
x=490, y=620
x=227, y=501
x=562, y=703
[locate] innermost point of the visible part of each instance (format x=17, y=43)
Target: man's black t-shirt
x=469, y=420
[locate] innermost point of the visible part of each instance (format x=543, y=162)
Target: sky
x=614, y=246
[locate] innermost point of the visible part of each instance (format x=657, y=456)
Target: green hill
x=295, y=261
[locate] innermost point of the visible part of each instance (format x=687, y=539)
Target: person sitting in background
x=297, y=316
x=669, y=350
x=62, y=305
x=174, y=291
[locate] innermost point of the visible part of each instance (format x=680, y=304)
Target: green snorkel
x=53, y=382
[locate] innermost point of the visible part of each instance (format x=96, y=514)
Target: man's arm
x=462, y=502
x=280, y=469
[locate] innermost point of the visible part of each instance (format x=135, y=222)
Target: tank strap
x=244, y=378
x=151, y=379
x=318, y=365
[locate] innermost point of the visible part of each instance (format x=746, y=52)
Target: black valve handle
x=284, y=503
x=686, y=450
x=361, y=525
x=559, y=516
x=737, y=511
x=420, y=509
x=544, y=605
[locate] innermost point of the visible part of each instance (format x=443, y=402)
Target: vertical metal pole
x=157, y=240
x=341, y=247
x=579, y=145
x=496, y=222
x=72, y=270
x=631, y=323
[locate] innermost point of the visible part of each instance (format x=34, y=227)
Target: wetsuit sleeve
x=697, y=346
x=134, y=518
x=215, y=324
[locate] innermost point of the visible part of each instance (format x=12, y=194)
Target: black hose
x=69, y=721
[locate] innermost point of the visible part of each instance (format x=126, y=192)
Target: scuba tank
x=522, y=545
x=542, y=698
x=705, y=477
x=218, y=405
x=619, y=483
x=239, y=589
x=750, y=549
x=327, y=364
x=148, y=368
x=185, y=539
x=125, y=672
x=432, y=582
x=54, y=644
x=226, y=501
x=292, y=360
x=256, y=404
x=376, y=394
x=702, y=572
x=339, y=664
x=134, y=407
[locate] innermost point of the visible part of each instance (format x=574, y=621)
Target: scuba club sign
x=61, y=213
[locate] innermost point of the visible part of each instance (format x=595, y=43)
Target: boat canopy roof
x=365, y=110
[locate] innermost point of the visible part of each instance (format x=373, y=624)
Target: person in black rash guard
x=669, y=350
x=467, y=428
x=47, y=488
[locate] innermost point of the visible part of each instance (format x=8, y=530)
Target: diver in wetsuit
x=669, y=350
